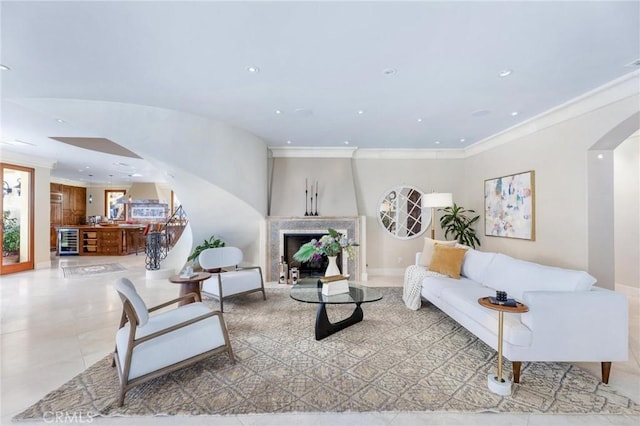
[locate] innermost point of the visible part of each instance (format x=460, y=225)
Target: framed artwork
x=509, y=206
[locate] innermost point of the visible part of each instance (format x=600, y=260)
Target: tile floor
x=53, y=328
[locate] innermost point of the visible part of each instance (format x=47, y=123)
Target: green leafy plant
x=456, y=221
x=328, y=245
x=10, y=234
x=212, y=242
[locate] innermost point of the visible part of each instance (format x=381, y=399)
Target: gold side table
x=498, y=384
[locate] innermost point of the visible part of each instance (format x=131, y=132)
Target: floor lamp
x=436, y=200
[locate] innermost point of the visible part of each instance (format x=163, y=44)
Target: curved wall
x=218, y=172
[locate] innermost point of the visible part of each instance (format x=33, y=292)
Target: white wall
x=336, y=192
x=626, y=165
x=220, y=172
x=559, y=155
x=387, y=255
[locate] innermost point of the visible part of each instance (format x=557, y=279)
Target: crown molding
x=309, y=152
x=613, y=91
x=408, y=154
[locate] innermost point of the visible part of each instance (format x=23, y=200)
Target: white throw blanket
x=413, y=276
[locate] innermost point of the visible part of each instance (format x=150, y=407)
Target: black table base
x=324, y=328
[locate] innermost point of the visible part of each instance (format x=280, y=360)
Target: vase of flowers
x=330, y=245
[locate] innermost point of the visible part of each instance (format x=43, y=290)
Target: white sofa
x=569, y=319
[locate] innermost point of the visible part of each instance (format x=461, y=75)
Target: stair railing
x=162, y=237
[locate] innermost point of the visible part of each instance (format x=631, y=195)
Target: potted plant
x=212, y=242
x=10, y=236
x=456, y=222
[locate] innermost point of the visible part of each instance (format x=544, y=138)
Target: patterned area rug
x=395, y=360
x=83, y=271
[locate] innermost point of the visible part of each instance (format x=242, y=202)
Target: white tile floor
x=53, y=328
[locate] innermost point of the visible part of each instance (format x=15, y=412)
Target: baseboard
x=386, y=272
x=159, y=274
x=628, y=290
x=44, y=265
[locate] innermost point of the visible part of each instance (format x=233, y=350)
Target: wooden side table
x=190, y=285
x=497, y=384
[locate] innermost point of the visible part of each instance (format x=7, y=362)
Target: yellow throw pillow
x=427, y=250
x=447, y=260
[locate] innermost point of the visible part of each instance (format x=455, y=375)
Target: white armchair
x=237, y=281
x=151, y=346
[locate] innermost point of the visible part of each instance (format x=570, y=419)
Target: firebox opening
x=292, y=243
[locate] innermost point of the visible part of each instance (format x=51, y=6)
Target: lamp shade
x=437, y=199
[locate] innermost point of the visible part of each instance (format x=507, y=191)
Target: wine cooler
x=68, y=241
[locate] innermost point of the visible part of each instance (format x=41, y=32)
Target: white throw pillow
x=475, y=264
x=516, y=276
x=427, y=250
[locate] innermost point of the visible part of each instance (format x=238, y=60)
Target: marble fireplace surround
x=277, y=227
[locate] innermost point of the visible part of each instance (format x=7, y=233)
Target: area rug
x=83, y=271
x=396, y=359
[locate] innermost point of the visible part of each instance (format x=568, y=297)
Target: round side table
x=498, y=384
x=190, y=285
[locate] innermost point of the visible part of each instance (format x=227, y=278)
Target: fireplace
x=303, y=229
x=312, y=268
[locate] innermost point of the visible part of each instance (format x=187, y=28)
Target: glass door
x=17, y=218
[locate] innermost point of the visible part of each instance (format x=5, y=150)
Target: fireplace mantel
x=277, y=226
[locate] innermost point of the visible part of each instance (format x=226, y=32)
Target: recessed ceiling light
x=289, y=142
x=419, y=120
x=60, y=120
x=346, y=142
x=462, y=139
x=437, y=142
x=389, y=71
x=360, y=112
x=278, y=112
x=4, y=67
x=253, y=69
x=514, y=113
x=135, y=175
x=505, y=72
x=600, y=156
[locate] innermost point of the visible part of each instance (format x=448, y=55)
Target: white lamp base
x=501, y=388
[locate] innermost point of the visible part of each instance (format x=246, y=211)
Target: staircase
x=162, y=237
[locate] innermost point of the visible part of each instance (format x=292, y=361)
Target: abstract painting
x=509, y=206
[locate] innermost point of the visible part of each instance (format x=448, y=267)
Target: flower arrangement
x=328, y=245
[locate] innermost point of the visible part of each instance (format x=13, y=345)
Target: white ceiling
x=320, y=63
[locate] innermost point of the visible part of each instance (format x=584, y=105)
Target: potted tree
x=10, y=237
x=456, y=222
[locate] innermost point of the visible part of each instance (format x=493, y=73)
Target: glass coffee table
x=308, y=291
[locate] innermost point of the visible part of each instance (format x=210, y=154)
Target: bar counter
x=109, y=240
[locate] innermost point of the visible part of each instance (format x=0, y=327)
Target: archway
x=600, y=201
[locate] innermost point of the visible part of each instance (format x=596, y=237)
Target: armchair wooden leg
x=516, y=371
x=606, y=369
x=121, y=396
